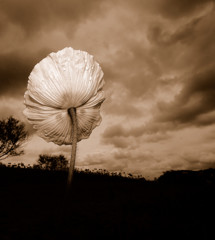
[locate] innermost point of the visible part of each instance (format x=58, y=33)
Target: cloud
x=119, y=142
x=170, y=9
x=177, y=9
x=210, y=136
x=138, y=131
x=115, y=130
x=131, y=138
x=159, y=34
x=14, y=71
x=157, y=137
x=104, y=161
x=194, y=106
x=118, y=160
x=15, y=68
x=134, y=69
x=33, y=16
x=122, y=108
x=117, y=136
x=193, y=103
x=200, y=160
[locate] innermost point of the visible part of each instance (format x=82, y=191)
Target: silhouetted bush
x=188, y=177
x=12, y=137
x=50, y=162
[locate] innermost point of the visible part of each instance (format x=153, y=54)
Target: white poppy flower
x=63, y=80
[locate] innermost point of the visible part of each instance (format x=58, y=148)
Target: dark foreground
x=179, y=205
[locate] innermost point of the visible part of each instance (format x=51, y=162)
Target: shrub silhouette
x=12, y=137
x=49, y=162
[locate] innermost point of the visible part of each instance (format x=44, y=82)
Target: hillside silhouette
x=101, y=205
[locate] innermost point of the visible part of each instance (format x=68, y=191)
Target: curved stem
x=72, y=114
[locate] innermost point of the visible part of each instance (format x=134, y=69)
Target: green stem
x=72, y=114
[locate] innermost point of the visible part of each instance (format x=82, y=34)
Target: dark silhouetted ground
x=179, y=205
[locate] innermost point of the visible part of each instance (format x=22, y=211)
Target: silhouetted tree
x=49, y=162
x=12, y=137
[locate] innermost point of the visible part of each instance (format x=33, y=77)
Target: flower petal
x=68, y=78
x=55, y=124
x=51, y=124
x=88, y=119
x=56, y=128
x=65, y=79
x=88, y=115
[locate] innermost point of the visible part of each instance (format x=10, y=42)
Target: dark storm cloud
x=117, y=131
x=196, y=101
x=14, y=72
x=176, y=9
x=33, y=16
x=169, y=9
x=130, y=76
x=122, y=137
x=197, y=98
x=193, y=106
x=186, y=48
x=15, y=68
x=117, y=136
x=123, y=109
x=124, y=142
x=205, y=119
x=134, y=68
x=154, y=132
x=185, y=34
x=119, y=142
x=121, y=106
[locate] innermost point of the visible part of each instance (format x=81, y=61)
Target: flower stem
x=72, y=114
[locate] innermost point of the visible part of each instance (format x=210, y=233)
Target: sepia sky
x=158, y=59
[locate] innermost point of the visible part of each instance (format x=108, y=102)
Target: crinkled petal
x=65, y=79
x=51, y=124
x=55, y=125
x=56, y=128
x=88, y=119
x=88, y=115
